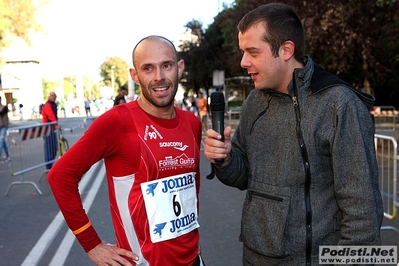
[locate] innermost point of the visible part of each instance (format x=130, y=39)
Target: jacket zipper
x=294, y=102
x=306, y=165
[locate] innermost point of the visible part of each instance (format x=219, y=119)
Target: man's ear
x=287, y=50
x=133, y=75
x=180, y=67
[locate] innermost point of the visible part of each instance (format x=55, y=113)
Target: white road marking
x=47, y=237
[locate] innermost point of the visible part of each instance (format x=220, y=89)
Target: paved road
x=32, y=231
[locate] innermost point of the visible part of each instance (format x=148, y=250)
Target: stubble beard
x=145, y=91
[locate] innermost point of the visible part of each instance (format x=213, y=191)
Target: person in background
x=97, y=104
x=49, y=114
x=193, y=106
x=4, y=124
x=21, y=111
x=153, y=225
x=185, y=103
x=202, y=109
x=303, y=150
x=88, y=107
x=120, y=99
x=122, y=94
x=62, y=107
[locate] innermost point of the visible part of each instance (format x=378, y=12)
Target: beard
x=147, y=92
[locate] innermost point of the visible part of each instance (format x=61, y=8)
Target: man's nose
x=245, y=62
x=159, y=74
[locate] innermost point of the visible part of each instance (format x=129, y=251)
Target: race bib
x=171, y=205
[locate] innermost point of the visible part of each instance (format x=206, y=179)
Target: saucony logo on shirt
x=175, y=144
x=181, y=148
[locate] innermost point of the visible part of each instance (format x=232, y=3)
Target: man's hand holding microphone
x=217, y=142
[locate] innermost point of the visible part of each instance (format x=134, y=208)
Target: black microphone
x=217, y=109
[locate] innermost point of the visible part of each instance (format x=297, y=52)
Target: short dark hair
x=281, y=24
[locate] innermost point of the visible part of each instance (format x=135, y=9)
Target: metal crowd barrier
x=387, y=156
x=385, y=117
x=234, y=112
x=87, y=121
x=27, y=151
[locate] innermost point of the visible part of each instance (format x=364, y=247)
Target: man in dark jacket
x=304, y=150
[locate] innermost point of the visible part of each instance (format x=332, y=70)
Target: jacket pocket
x=264, y=219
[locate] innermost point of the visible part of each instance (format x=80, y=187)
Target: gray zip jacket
x=308, y=163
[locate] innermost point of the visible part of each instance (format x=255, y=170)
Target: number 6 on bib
x=171, y=205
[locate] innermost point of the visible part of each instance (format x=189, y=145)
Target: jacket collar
x=321, y=79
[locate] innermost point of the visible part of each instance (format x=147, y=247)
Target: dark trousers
x=198, y=261
x=50, y=148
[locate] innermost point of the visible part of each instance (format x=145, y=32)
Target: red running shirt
x=136, y=148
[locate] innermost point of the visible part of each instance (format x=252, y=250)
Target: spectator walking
x=185, y=103
x=193, y=106
x=88, y=107
x=21, y=111
x=202, y=109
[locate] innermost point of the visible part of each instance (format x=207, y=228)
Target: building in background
x=21, y=79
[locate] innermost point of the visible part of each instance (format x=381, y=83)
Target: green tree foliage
x=208, y=51
x=18, y=18
x=120, y=69
x=91, y=89
x=68, y=84
x=48, y=86
x=190, y=52
x=355, y=39
x=352, y=38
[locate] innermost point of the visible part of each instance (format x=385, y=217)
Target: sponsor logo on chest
x=181, y=161
x=169, y=162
